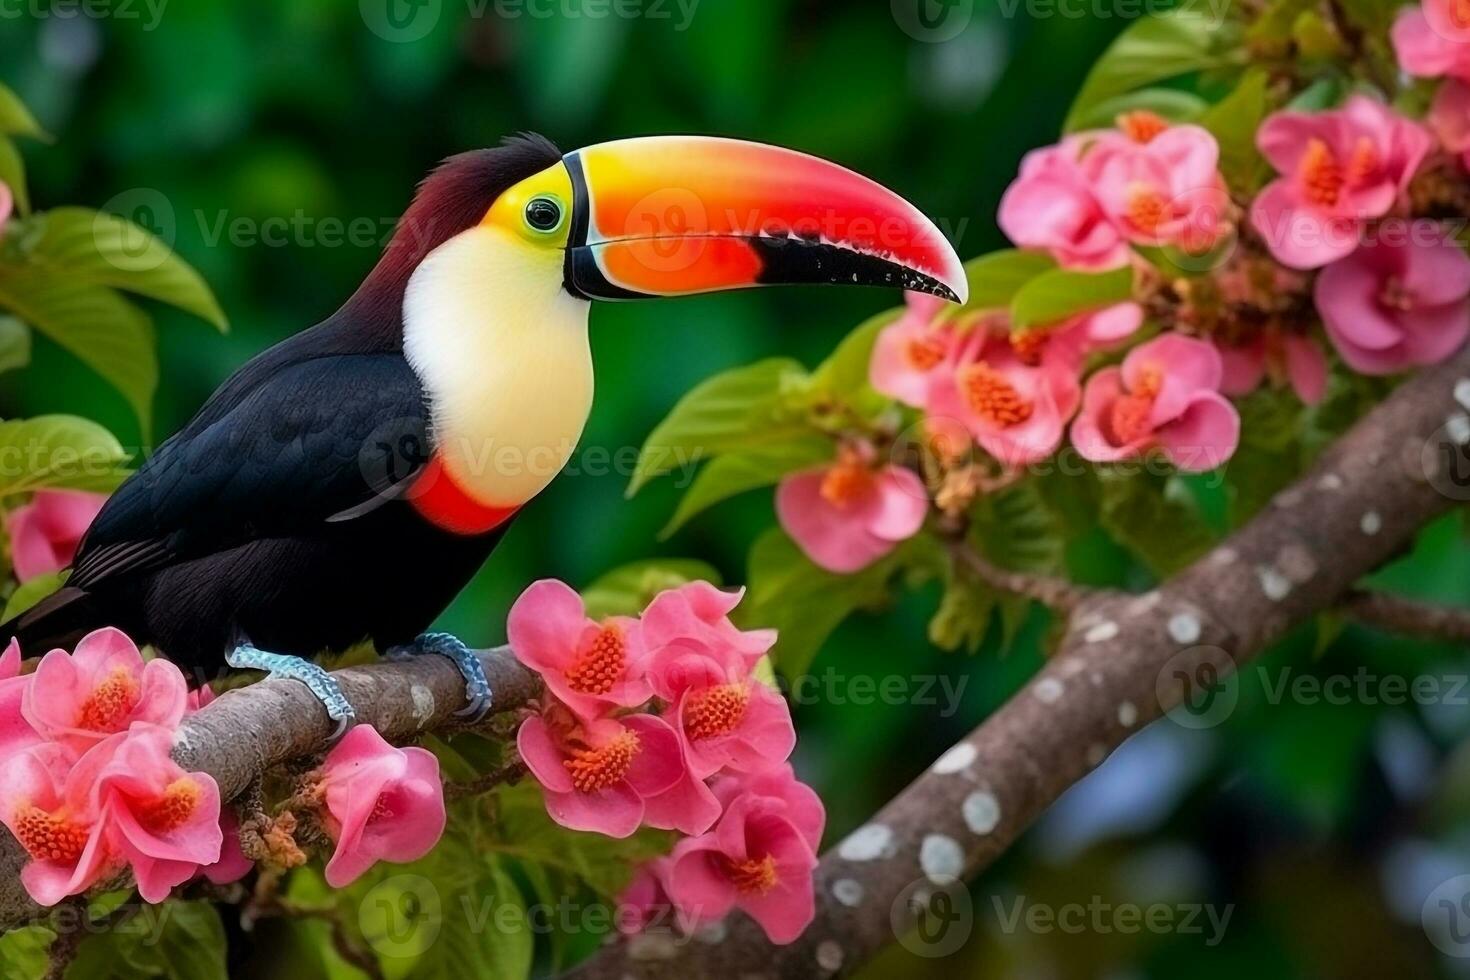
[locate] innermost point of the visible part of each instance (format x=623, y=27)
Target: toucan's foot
x=316, y=678
x=476, y=684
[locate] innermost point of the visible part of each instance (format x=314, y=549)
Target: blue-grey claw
x=315, y=677
x=476, y=685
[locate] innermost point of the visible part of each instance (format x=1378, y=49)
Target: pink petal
x=903, y=505
x=1298, y=236
x=659, y=763
x=834, y=538
x=545, y=625
x=613, y=812
x=696, y=884
x=1306, y=366
x=1242, y=367
x=540, y=754
x=1204, y=436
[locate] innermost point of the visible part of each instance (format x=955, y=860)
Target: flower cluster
x=660, y=721
x=1331, y=249
x=88, y=787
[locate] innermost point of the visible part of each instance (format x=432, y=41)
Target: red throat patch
x=443, y=503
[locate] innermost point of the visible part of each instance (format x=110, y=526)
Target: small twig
x=1052, y=591
x=1409, y=617
x=506, y=775
x=63, y=951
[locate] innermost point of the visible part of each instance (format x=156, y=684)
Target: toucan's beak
x=673, y=215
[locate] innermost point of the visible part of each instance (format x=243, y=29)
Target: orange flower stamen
x=993, y=397
x=716, y=711
x=1129, y=417
x=1147, y=208
x=1321, y=174
x=753, y=875
x=925, y=353
x=1363, y=164
x=601, y=665
x=110, y=703
x=173, y=809
x=1142, y=126
x=597, y=769
x=49, y=836
x=847, y=481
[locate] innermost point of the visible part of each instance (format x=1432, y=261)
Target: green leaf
x=523, y=831
x=734, y=410
x=1155, y=517
x=1270, y=453
x=1057, y=295
x=24, y=953
x=802, y=602
x=735, y=473
x=1322, y=94
x=1374, y=17
x=16, y=119
x=15, y=344
x=1170, y=103
x=1234, y=121
x=626, y=590
x=106, y=332
x=1275, y=22
x=844, y=374
x=1151, y=50
x=57, y=452
x=174, y=941
x=13, y=174
x=996, y=278
x=106, y=250
x=963, y=616
x=27, y=594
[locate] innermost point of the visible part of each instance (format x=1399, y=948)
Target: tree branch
x=1409, y=617
x=250, y=730
x=1125, y=660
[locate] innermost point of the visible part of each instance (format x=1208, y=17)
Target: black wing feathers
x=317, y=439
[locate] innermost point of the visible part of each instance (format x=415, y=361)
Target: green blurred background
x=256, y=136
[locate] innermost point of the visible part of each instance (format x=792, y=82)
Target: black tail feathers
x=59, y=620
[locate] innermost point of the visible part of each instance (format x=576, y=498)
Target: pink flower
x=1434, y=39
x=44, y=533
x=910, y=351
x=163, y=821
x=1017, y=411
x=696, y=616
x=1339, y=169
x=799, y=802
x=725, y=719
x=597, y=775
x=7, y=204
x=1164, y=191
x=1068, y=344
x=1285, y=356
x=232, y=864
x=15, y=732
x=382, y=803
x=646, y=899
x=1394, y=305
x=51, y=810
x=101, y=689
x=1449, y=118
x=198, y=698
x=588, y=666
x=848, y=515
x=1164, y=397
x=1052, y=206
x=756, y=859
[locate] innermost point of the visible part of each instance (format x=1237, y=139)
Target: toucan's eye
x=544, y=214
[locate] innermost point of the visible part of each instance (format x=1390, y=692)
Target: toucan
x=347, y=483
